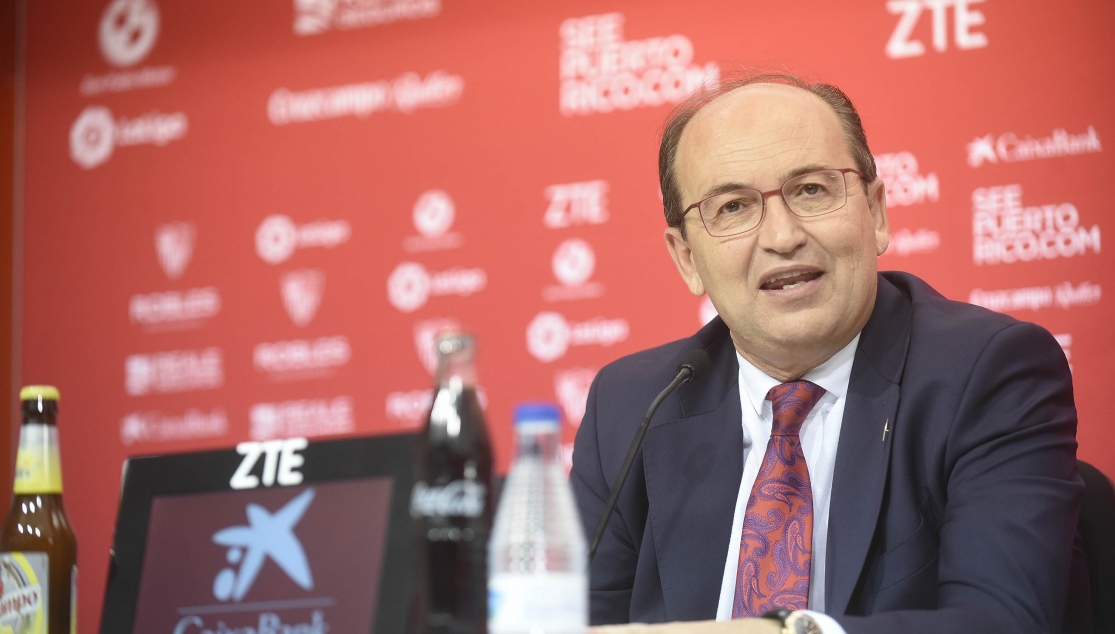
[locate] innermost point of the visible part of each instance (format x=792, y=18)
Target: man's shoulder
x=652, y=369
x=933, y=313
x=661, y=361
x=941, y=328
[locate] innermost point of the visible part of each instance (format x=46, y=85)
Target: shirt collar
x=833, y=375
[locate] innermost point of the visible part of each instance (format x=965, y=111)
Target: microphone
x=693, y=366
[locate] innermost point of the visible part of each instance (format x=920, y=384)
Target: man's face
x=759, y=136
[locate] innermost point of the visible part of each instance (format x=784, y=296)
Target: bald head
x=730, y=99
x=743, y=131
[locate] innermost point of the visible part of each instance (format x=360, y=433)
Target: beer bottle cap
x=36, y=392
x=537, y=413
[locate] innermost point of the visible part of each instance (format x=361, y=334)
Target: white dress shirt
x=819, y=435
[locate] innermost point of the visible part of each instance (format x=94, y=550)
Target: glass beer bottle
x=452, y=503
x=38, y=552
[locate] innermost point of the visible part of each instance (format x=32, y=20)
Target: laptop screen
x=305, y=558
x=316, y=539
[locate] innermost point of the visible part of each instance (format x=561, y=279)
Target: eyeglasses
x=741, y=210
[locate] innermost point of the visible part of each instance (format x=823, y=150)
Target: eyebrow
x=731, y=186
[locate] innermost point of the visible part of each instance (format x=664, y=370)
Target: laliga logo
x=573, y=262
x=175, y=245
x=425, y=336
x=433, y=216
x=408, y=288
x=277, y=236
x=95, y=134
x=410, y=285
x=91, y=137
x=549, y=335
x=433, y=213
x=128, y=31
x=267, y=536
x=301, y=292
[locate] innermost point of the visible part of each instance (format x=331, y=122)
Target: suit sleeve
x=612, y=571
x=1013, y=496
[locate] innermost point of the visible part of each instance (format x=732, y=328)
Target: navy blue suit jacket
x=960, y=520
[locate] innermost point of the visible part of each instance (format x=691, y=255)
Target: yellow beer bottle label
x=38, y=467
x=25, y=595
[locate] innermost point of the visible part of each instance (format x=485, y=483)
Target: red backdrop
x=244, y=219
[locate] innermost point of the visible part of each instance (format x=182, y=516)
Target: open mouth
x=789, y=280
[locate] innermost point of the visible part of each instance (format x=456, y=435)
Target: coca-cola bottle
x=452, y=503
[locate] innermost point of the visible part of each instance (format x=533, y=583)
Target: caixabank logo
x=267, y=536
x=156, y=426
x=96, y=133
x=1009, y=148
x=265, y=559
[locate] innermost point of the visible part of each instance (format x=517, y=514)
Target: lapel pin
x=886, y=428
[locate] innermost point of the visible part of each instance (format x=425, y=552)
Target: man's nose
x=781, y=230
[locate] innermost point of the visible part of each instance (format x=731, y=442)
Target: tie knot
x=791, y=403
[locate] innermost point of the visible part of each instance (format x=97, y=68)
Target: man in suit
x=863, y=451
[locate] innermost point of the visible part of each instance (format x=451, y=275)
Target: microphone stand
x=684, y=374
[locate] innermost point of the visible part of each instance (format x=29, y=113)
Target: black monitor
x=281, y=535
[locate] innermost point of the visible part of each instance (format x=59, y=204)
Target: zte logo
x=280, y=463
x=902, y=42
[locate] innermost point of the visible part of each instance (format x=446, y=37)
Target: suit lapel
x=863, y=454
x=693, y=465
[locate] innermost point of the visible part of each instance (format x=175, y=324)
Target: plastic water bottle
x=537, y=558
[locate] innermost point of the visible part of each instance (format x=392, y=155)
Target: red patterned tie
x=777, y=540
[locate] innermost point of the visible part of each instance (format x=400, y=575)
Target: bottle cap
x=453, y=340
x=537, y=413
x=36, y=392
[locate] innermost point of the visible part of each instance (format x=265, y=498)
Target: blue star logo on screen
x=266, y=536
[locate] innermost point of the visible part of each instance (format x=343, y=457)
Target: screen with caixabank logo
x=299, y=559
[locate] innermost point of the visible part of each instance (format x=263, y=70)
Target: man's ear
x=682, y=255
x=877, y=203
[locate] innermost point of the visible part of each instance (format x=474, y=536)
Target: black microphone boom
x=693, y=365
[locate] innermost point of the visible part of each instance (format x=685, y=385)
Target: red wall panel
x=241, y=217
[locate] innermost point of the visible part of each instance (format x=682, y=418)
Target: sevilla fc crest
x=302, y=292
x=175, y=245
x=425, y=338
